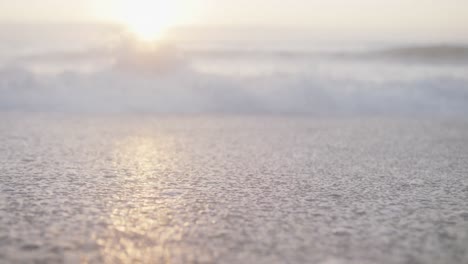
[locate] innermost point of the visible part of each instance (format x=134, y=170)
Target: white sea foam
x=125, y=76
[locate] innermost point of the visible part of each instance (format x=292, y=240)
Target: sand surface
x=223, y=189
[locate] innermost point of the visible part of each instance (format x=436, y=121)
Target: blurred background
x=307, y=57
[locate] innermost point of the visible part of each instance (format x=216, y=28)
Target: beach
x=109, y=188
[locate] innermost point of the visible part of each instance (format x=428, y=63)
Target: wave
x=168, y=80
x=431, y=53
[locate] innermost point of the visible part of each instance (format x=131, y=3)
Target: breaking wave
x=135, y=78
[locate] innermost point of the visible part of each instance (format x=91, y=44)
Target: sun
x=149, y=20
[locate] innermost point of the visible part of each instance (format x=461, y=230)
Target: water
x=232, y=189
x=94, y=69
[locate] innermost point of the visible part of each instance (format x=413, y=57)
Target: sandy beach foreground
x=225, y=189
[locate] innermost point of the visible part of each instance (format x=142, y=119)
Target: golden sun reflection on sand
x=143, y=222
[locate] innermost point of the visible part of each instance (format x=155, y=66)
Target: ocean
x=94, y=70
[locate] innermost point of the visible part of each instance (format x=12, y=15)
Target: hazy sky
x=445, y=17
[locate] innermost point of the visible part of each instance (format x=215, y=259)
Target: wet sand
x=225, y=189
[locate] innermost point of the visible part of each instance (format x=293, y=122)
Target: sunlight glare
x=147, y=19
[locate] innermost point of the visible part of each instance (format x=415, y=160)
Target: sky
x=443, y=16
